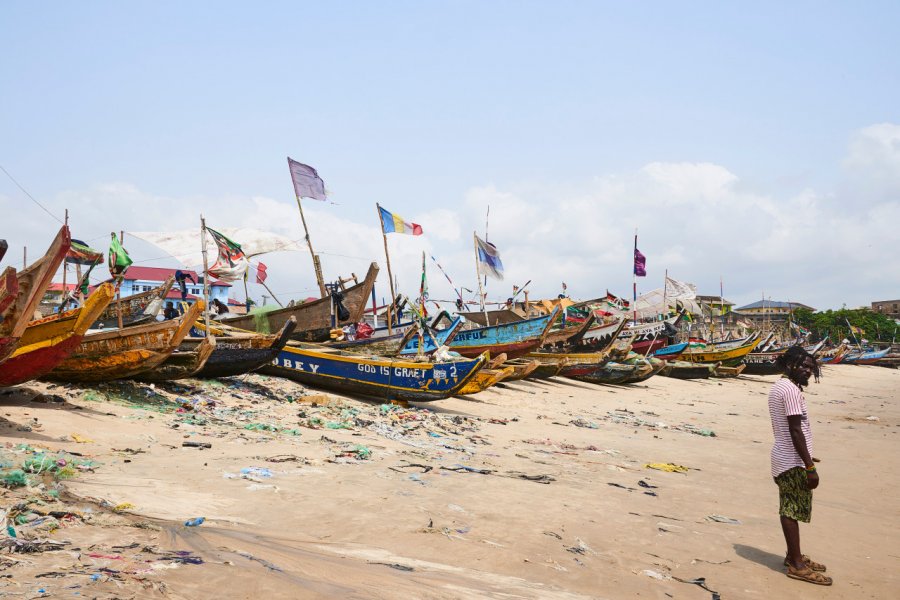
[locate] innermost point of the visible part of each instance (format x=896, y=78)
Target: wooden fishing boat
x=484, y=379
x=407, y=343
x=679, y=369
x=543, y=370
x=766, y=363
x=836, y=356
x=181, y=363
x=239, y=352
x=570, y=362
x=22, y=299
x=645, y=337
x=601, y=335
x=47, y=342
x=656, y=364
x=313, y=318
x=614, y=373
x=135, y=309
x=521, y=369
x=515, y=339
x=729, y=357
x=671, y=352
x=722, y=371
x=866, y=358
x=762, y=363
x=3, y=247
x=122, y=353
x=385, y=378
x=569, y=334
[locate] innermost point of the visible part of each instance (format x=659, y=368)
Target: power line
x=13, y=179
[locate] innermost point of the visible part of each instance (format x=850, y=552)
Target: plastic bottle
x=194, y=522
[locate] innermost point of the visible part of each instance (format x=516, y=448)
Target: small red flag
x=261, y=273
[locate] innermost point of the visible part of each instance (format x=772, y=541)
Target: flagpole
x=387, y=257
x=205, y=275
x=119, y=286
x=634, y=281
x=722, y=303
x=665, y=289
x=487, y=321
x=317, y=265
x=65, y=268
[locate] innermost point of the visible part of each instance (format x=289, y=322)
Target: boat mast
x=205, y=274
x=387, y=258
x=119, y=287
x=65, y=268
x=634, y=282
x=478, y=277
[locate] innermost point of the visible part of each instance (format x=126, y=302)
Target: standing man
x=181, y=279
x=792, y=463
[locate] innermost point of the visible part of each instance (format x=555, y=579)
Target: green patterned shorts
x=794, y=496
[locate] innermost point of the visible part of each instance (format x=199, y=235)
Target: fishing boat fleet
x=407, y=358
x=393, y=352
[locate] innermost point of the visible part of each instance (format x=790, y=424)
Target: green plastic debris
x=260, y=427
x=15, y=479
x=10, y=531
x=338, y=425
x=362, y=452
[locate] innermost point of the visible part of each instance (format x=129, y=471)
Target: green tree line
x=873, y=326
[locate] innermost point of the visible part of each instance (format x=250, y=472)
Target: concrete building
x=890, y=308
x=771, y=310
x=144, y=279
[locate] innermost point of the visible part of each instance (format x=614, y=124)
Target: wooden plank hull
x=181, y=364
x=236, y=355
x=514, y=339
x=313, y=318
x=866, y=358
x=685, y=370
x=383, y=378
x=614, y=373
x=123, y=353
x=31, y=284
x=762, y=363
x=484, y=379
x=48, y=341
x=729, y=357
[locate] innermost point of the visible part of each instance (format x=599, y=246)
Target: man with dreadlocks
x=792, y=462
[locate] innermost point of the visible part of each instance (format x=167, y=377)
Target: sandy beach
x=535, y=490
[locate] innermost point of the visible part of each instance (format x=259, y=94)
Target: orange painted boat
x=181, y=363
x=123, y=353
x=47, y=342
x=484, y=379
x=18, y=303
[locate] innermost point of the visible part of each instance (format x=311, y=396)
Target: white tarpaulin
x=657, y=302
x=184, y=246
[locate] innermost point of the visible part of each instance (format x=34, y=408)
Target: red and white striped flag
x=261, y=273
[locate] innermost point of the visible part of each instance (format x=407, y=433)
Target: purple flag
x=640, y=263
x=307, y=183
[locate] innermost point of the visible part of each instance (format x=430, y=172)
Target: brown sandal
x=808, y=575
x=809, y=563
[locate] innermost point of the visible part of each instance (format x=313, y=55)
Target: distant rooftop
x=774, y=304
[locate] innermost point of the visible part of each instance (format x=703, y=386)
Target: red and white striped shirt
x=786, y=399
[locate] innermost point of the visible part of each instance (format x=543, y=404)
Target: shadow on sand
x=766, y=559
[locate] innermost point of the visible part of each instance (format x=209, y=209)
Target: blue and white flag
x=488, y=256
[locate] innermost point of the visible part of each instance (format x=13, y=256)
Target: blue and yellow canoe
x=384, y=378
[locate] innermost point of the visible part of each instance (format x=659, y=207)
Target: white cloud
x=698, y=220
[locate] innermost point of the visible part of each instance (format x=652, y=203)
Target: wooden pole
x=119, y=288
x=24, y=257
x=317, y=266
x=273, y=295
x=65, y=295
x=478, y=277
x=205, y=274
x=387, y=258
x=634, y=281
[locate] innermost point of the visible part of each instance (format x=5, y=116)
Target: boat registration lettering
x=468, y=335
x=404, y=372
x=440, y=374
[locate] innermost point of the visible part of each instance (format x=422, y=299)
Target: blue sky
x=139, y=116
